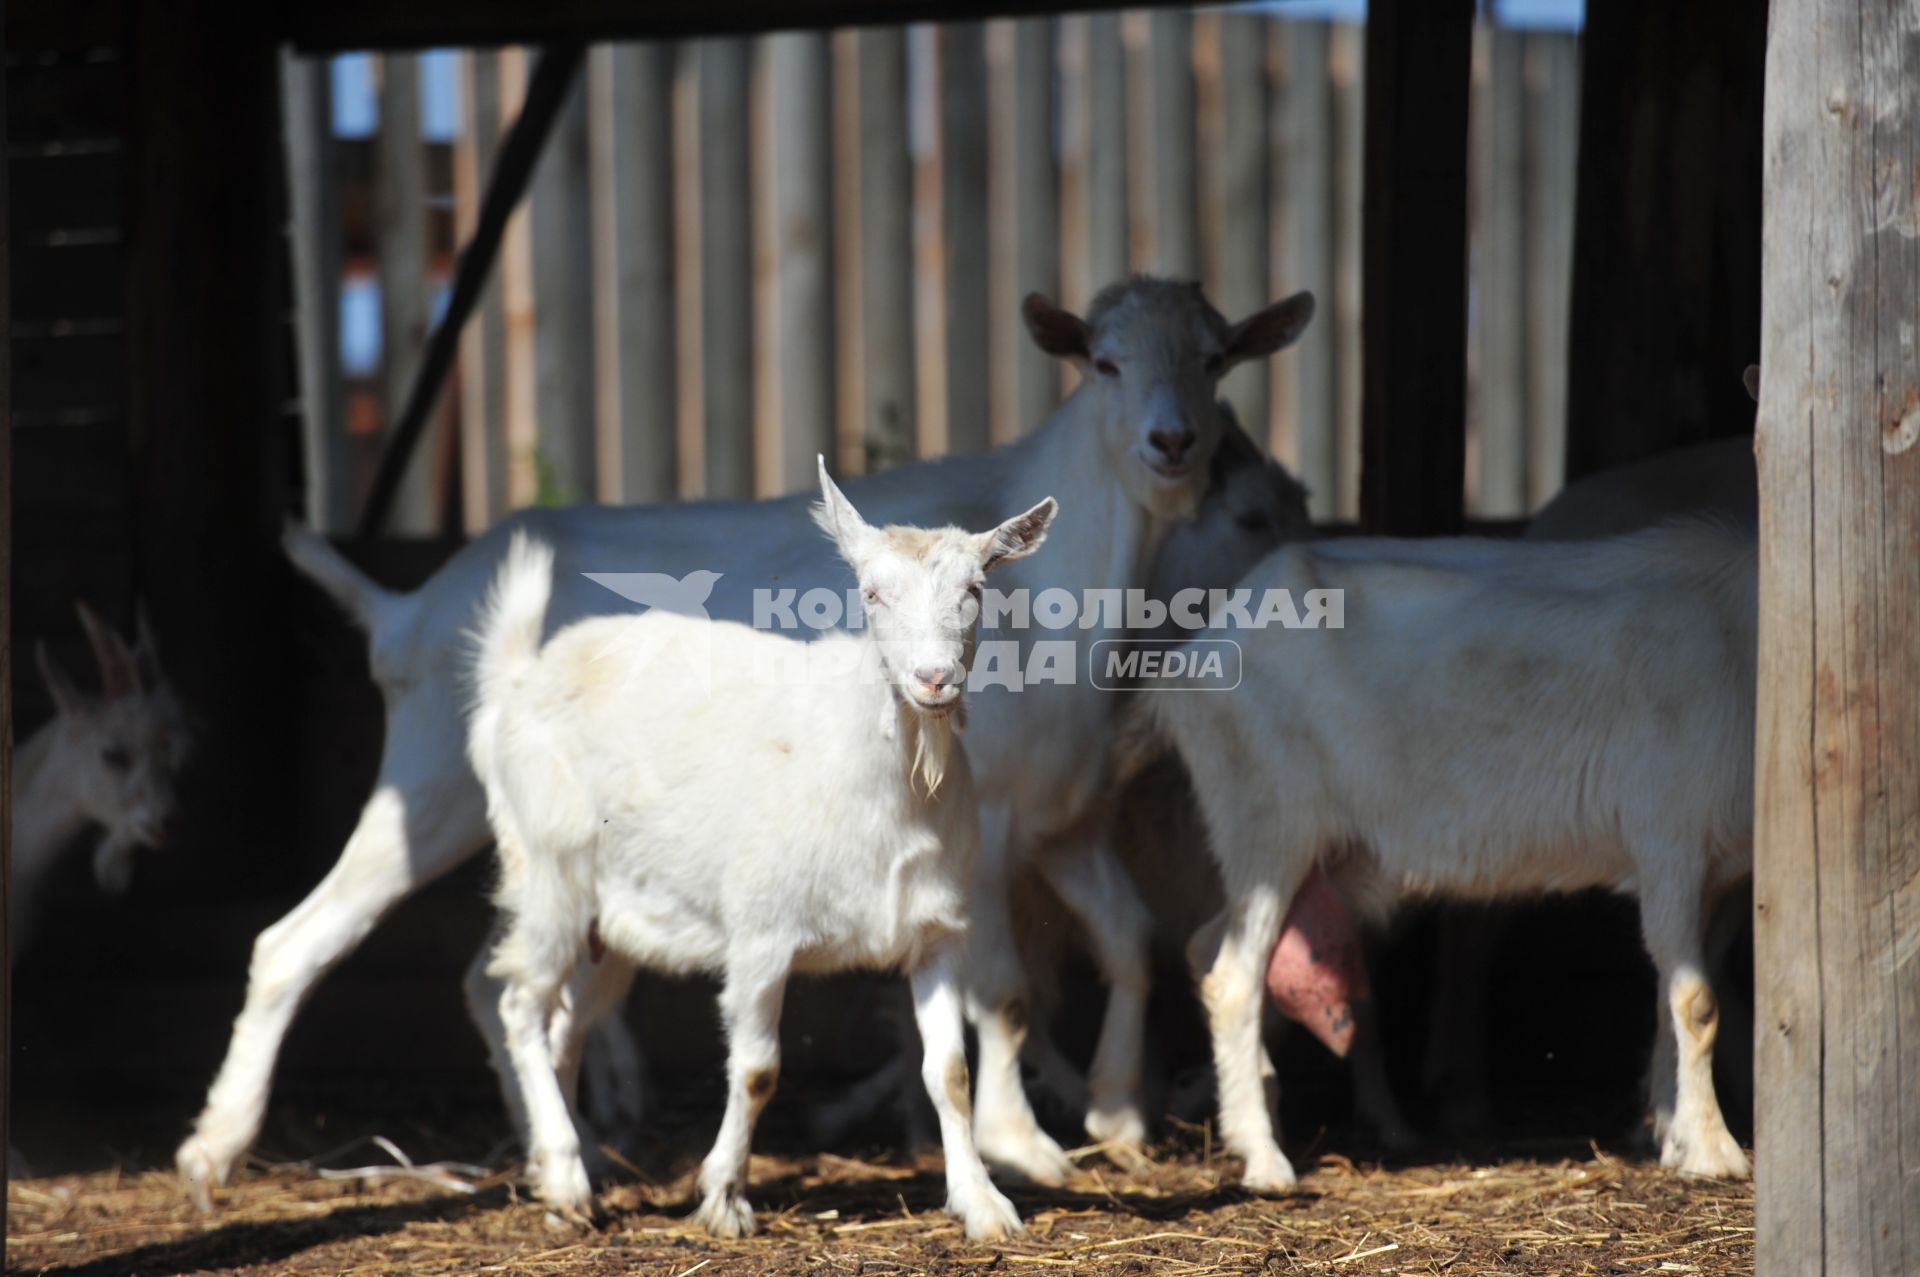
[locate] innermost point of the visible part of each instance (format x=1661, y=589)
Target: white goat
x=108, y=760
x=1127, y=453
x=1494, y=719
x=788, y=808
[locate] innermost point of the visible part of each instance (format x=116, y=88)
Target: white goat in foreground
x=698, y=796
x=1494, y=719
x=108, y=760
x=1127, y=453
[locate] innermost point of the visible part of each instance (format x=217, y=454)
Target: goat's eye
x=1106, y=368
x=117, y=757
x=870, y=594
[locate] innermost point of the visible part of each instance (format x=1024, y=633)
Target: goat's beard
x=932, y=746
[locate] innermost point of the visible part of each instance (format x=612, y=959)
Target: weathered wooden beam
x=561, y=220
x=372, y=24
x=1246, y=242
x=1500, y=391
x=6, y=652
x=400, y=247
x=1036, y=215
x=1348, y=65
x=483, y=347
x=1176, y=187
x=1304, y=171
x=726, y=270
x=1414, y=315
x=1552, y=132
x=630, y=89
x=803, y=207
x=314, y=195
x=886, y=252
x=1106, y=121
x=545, y=96
x=963, y=217
x=1837, y=820
x=1666, y=250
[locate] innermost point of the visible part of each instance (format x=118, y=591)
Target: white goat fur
x=1495, y=719
x=1038, y=756
x=614, y=785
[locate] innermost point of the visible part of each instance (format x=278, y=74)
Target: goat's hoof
x=725, y=1216
x=1717, y=1156
x=561, y=1182
x=200, y=1172
x=990, y=1217
x=1032, y=1156
x=1270, y=1173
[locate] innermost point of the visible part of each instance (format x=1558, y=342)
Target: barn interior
x=157, y=445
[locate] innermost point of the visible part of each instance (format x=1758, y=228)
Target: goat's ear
x=1060, y=333
x=118, y=677
x=1264, y=332
x=66, y=697
x=1017, y=537
x=1751, y=380
x=839, y=520
x=146, y=650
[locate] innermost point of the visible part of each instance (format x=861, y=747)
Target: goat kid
x=1494, y=719
x=614, y=786
x=108, y=760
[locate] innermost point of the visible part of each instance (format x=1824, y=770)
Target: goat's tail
x=373, y=607
x=507, y=638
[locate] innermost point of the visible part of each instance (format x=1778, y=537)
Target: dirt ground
x=1578, y=1213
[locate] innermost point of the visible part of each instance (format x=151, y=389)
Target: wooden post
x=1666, y=246
x=1176, y=188
x=563, y=284
x=963, y=216
x=483, y=346
x=803, y=206
x=886, y=251
x=1837, y=848
x=6, y=649
x=516, y=299
x=1500, y=407
x=1244, y=246
x=400, y=203
x=1036, y=216
x=726, y=269
x=1552, y=132
x=1414, y=313
x=629, y=89
x=1304, y=169
x=1106, y=143
x=306, y=92
x=1347, y=63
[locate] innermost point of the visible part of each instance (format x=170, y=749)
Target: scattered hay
x=1177, y=1217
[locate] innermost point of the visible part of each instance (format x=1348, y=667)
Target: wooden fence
x=738, y=253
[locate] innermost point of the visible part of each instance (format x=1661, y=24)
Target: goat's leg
x=750, y=1001
x=1095, y=886
x=591, y=1035
x=1233, y=952
x=1003, y=1123
x=527, y=1005
x=419, y=823
x=1697, y=1141
x=982, y=1208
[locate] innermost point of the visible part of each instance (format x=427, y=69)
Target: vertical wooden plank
x=1667, y=232
x=563, y=283
x=6, y=650
x=483, y=346
x=306, y=93
x=517, y=306
x=1414, y=309
x=1837, y=861
x=1106, y=152
x=400, y=220
x=1176, y=228
x=1500, y=412
x=1349, y=66
x=1552, y=137
x=630, y=88
x=726, y=269
x=1245, y=268
x=803, y=202
x=1304, y=170
x=886, y=251
x=849, y=335
x=963, y=198
x=1036, y=215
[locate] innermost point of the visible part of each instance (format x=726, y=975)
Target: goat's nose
x=1172, y=442
x=933, y=677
